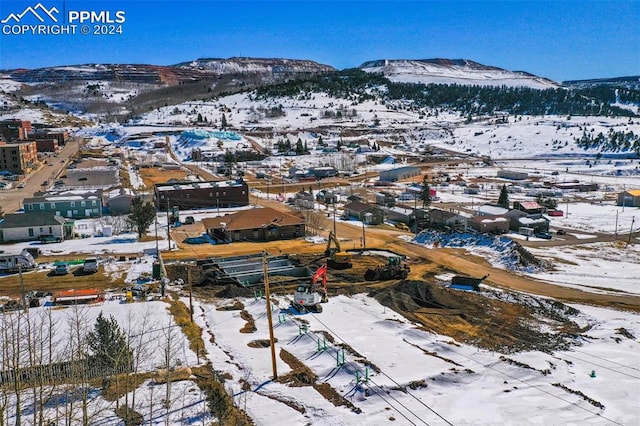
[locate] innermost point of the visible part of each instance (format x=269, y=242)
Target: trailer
x=16, y=262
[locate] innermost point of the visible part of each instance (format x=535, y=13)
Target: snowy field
x=443, y=381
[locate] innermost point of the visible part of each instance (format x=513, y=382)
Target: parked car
x=22, y=184
x=402, y=226
x=189, y=220
x=90, y=265
x=61, y=269
x=561, y=232
x=48, y=238
x=544, y=235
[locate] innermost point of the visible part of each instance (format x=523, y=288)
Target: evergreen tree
x=306, y=149
x=142, y=216
x=503, y=200
x=199, y=118
x=109, y=345
x=223, y=121
x=425, y=194
x=299, y=146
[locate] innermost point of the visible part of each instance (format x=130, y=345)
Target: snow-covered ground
x=451, y=381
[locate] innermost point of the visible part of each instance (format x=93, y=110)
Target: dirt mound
x=496, y=321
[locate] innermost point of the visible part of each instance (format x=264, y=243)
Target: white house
x=31, y=226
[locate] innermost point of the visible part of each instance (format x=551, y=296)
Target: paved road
x=11, y=199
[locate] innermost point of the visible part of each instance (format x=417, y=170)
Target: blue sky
x=561, y=40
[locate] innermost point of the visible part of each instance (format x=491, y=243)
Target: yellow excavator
x=337, y=259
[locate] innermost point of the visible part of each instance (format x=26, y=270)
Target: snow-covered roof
x=198, y=185
x=488, y=209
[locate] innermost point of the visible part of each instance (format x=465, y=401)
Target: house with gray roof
x=72, y=204
x=31, y=226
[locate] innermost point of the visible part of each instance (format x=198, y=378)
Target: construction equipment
x=337, y=259
x=460, y=282
x=308, y=296
x=395, y=269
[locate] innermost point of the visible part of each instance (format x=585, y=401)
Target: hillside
x=454, y=71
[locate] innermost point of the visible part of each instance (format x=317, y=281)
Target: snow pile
x=499, y=251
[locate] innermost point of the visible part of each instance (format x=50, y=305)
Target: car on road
x=61, y=269
x=189, y=220
x=544, y=235
x=561, y=232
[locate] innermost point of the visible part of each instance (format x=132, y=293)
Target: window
x=41, y=206
x=31, y=232
x=82, y=203
x=53, y=205
x=224, y=193
x=41, y=229
x=30, y=206
x=242, y=192
x=93, y=203
x=73, y=204
x=50, y=230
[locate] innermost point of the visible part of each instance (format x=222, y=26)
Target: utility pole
x=22, y=293
x=616, y=233
x=267, y=294
x=334, y=218
x=633, y=219
x=168, y=225
x=190, y=293
x=364, y=238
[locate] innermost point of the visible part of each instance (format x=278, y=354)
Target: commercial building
x=195, y=195
x=399, y=173
x=629, y=198
x=18, y=158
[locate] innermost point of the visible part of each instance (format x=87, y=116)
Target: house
x=119, y=201
x=385, y=198
x=487, y=223
x=326, y=197
x=60, y=136
x=195, y=195
x=19, y=158
x=46, y=145
x=304, y=200
x=400, y=173
x=519, y=219
x=446, y=219
x=72, y=204
x=367, y=213
x=30, y=226
x=629, y=198
x=512, y=175
x=399, y=214
x=531, y=207
x=323, y=172
x=256, y=225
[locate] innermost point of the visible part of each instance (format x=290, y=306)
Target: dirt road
x=459, y=261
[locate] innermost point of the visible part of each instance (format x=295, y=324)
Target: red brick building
x=197, y=195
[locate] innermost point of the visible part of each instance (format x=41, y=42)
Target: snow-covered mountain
x=454, y=71
x=172, y=74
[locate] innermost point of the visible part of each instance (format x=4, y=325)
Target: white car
x=90, y=265
x=22, y=184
